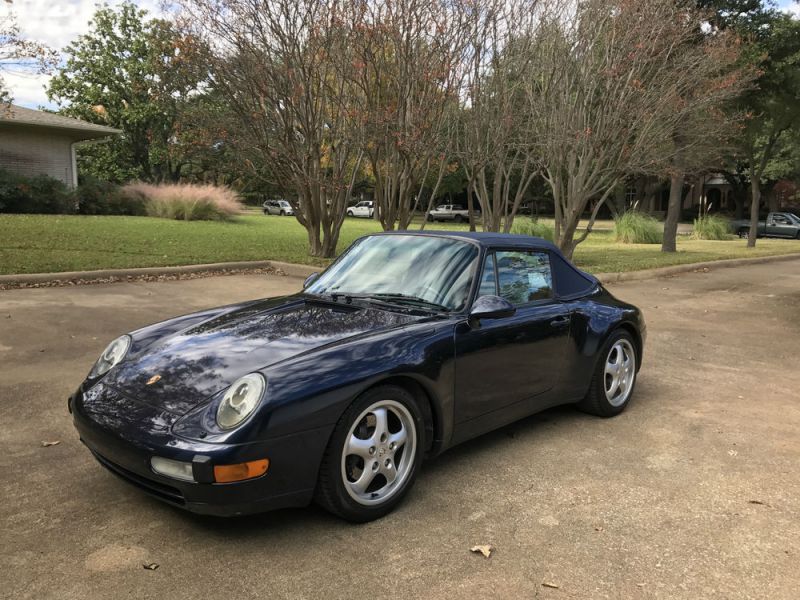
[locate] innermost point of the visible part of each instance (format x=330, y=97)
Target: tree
x=708, y=118
x=774, y=106
x=20, y=54
x=286, y=70
x=493, y=145
x=614, y=82
x=137, y=75
x=406, y=56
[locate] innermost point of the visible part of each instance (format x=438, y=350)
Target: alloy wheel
x=619, y=372
x=378, y=454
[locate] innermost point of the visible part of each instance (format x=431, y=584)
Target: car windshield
x=430, y=271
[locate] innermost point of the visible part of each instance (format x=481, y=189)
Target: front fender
x=311, y=391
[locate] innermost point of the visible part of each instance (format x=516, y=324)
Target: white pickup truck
x=450, y=212
x=365, y=208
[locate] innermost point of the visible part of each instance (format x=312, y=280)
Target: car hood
x=183, y=369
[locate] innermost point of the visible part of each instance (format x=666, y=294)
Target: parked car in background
x=365, y=208
x=450, y=212
x=444, y=336
x=777, y=225
x=278, y=207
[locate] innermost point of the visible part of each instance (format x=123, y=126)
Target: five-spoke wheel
x=379, y=451
x=373, y=455
x=619, y=372
x=614, y=377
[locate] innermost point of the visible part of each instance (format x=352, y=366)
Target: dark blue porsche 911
x=408, y=344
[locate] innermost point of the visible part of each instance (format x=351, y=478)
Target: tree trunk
x=669, y=244
x=755, y=187
x=567, y=242
x=470, y=207
x=314, y=241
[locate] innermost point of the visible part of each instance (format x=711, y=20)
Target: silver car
x=277, y=207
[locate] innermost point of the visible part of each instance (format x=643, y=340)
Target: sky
x=57, y=22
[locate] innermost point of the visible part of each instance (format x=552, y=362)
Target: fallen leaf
x=598, y=528
x=150, y=566
x=759, y=502
x=555, y=586
x=53, y=443
x=485, y=549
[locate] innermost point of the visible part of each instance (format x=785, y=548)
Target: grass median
x=55, y=243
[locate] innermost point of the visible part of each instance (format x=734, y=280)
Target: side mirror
x=491, y=307
x=310, y=279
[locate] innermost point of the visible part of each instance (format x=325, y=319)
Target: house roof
x=81, y=130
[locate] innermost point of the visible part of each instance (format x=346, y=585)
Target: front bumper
x=126, y=450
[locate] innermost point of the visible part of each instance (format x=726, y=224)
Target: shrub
x=34, y=195
x=533, y=227
x=96, y=197
x=187, y=202
x=634, y=227
x=711, y=227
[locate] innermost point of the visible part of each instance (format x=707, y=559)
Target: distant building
x=33, y=142
x=710, y=192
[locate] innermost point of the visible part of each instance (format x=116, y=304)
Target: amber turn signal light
x=241, y=471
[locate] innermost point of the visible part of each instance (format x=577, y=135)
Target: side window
x=488, y=281
x=524, y=276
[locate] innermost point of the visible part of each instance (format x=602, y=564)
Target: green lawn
x=50, y=243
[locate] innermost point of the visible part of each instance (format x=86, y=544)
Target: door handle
x=561, y=321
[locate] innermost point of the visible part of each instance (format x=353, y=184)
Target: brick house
x=33, y=142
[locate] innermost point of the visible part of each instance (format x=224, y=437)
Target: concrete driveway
x=694, y=492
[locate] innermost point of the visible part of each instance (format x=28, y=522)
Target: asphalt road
x=694, y=492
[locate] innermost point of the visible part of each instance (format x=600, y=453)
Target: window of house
x=630, y=194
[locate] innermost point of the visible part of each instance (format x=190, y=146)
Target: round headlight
x=111, y=356
x=240, y=400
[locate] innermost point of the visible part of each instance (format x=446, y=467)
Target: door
x=780, y=225
x=512, y=363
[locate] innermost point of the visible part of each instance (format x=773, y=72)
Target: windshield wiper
x=402, y=299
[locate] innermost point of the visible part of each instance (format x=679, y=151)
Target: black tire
x=331, y=493
x=596, y=401
x=349, y=213
x=283, y=213
x=430, y=219
x=744, y=233
x=266, y=212
x=459, y=219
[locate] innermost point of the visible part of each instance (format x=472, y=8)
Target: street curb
x=691, y=267
x=303, y=271
x=289, y=269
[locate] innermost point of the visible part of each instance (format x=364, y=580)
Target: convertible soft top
x=485, y=238
x=570, y=281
